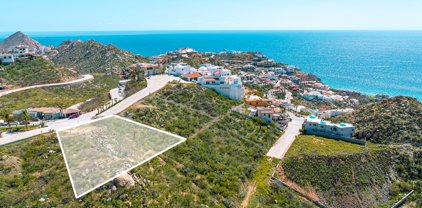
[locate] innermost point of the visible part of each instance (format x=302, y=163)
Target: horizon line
x=205, y=30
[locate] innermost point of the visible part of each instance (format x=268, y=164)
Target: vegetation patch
x=348, y=175
x=270, y=195
x=92, y=57
x=210, y=168
x=33, y=72
x=398, y=119
x=65, y=96
x=133, y=86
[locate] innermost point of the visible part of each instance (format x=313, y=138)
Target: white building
x=180, y=69
x=314, y=125
x=20, y=50
x=223, y=82
x=337, y=112
x=7, y=58
x=268, y=114
x=316, y=95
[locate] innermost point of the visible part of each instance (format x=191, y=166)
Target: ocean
x=371, y=62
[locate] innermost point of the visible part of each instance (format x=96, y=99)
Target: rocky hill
x=91, y=56
x=341, y=174
x=397, y=119
x=19, y=38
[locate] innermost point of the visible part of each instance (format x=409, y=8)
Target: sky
x=118, y=15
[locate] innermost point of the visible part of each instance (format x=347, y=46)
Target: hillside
x=346, y=175
x=212, y=168
x=91, y=56
x=33, y=72
x=65, y=96
x=19, y=38
x=397, y=119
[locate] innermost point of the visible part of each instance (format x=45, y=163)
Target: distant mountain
x=397, y=119
x=91, y=56
x=17, y=39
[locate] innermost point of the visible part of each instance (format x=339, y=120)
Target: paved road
x=82, y=79
x=279, y=149
x=154, y=83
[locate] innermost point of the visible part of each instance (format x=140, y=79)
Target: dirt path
x=249, y=195
x=213, y=121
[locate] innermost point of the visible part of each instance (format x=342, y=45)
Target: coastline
x=371, y=62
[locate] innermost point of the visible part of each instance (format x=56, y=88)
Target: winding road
x=84, y=78
x=155, y=83
x=280, y=148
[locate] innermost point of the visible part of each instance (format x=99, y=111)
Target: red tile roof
x=193, y=75
x=210, y=79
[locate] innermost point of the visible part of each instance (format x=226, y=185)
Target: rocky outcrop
x=91, y=57
x=18, y=39
x=124, y=180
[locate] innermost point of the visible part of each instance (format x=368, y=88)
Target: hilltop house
x=147, y=68
x=178, y=69
x=316, y=126
x=256, y=101
x=7, y=58
x=191, y=77
x=223, y=82
x=18, y=52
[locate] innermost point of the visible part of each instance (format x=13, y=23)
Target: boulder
x=124, y=180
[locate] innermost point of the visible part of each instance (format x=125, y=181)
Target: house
x=268, y=114
x=46, y=113
x=147, y=68
x=70, y=111
x=223, y=82
x=191, y=77
x=180, y=69
x=314, y=125
x=7, y=58
x=336, y=112
x=249, y=67
x=256, y=101
x=17, y=114
x=20, y=50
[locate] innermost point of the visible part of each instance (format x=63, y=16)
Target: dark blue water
x=371, y=62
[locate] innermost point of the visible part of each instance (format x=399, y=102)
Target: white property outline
x=182, y=139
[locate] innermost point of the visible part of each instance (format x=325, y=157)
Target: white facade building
x=223, y=82
x=20, y=50
x=180, y=69
x=7, y=58
x=314, y=125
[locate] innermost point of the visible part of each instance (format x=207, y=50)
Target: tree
x=61, y=106
x=6, y=114
x=26, y=117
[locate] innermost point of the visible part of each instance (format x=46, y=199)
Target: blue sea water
x=371, y=62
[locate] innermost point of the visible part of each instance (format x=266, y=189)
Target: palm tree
x=6, y=114
x=26, y=117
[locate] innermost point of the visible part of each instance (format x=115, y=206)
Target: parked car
x=24, y=122
x=14, y=123
x=74, y=116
